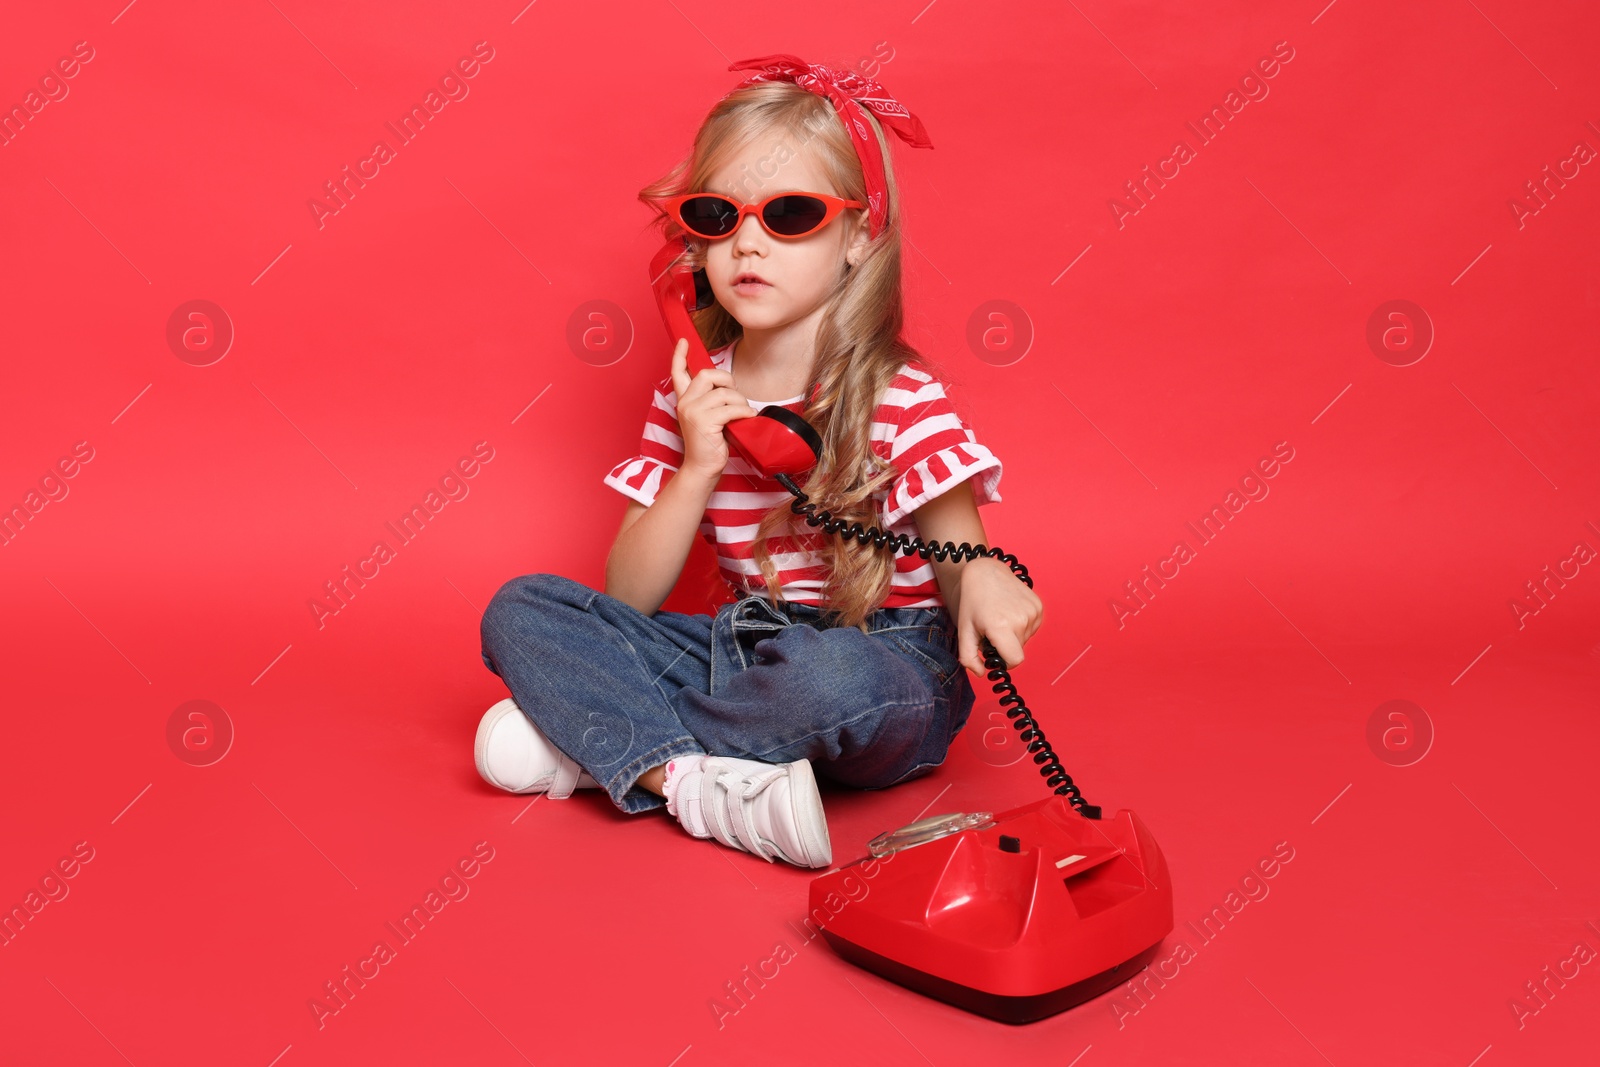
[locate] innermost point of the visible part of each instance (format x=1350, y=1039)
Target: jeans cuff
x=632, y=798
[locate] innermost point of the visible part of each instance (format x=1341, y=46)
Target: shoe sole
x=807, y=805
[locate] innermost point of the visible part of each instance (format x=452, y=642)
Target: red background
x=1229, y=313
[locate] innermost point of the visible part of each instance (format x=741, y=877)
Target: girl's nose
x=749, y=236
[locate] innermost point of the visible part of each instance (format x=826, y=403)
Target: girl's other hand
x=706, y=403
x=995, y=604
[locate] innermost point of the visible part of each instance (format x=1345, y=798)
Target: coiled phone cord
x=1056, y=777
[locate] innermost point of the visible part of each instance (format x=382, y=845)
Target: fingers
x=967, y=646
x=712, y=380
x=1004, y=641
x=730, y=410
x=720, y=405
x=1010, y=649
x=680, y=367
x=1031, y=627
x=702, y=381
x=721, y=395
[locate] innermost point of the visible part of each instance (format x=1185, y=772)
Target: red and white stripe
x=915, y=428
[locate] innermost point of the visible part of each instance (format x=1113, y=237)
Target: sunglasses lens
x=795, y=215
x=710, y=216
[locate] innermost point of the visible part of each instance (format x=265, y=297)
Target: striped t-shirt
x=915, y=428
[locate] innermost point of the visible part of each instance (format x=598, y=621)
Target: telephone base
x=1016, y=1010
x=1014, y=916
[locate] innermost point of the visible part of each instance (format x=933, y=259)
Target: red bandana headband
x=851, y=93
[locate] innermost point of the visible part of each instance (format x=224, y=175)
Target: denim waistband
x=756, y=606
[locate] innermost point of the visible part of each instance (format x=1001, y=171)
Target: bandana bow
x=851, y=94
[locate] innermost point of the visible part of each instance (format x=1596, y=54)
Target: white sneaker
x=769, y=810
x=513, y=754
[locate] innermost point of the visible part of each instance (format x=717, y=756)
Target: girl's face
x=796, y=274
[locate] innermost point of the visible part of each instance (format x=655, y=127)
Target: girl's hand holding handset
x=706, y=404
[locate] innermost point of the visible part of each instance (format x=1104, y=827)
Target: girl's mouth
x=748, y=286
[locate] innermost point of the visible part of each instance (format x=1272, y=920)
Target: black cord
x=1057, y=780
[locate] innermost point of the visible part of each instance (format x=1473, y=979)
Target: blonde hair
x=859, y=348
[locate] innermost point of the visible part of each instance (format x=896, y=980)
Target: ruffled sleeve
x=933, y=449
x=640, y=477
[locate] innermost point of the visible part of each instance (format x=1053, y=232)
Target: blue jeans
x=622, y=692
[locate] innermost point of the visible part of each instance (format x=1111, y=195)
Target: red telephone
x=1014, y=916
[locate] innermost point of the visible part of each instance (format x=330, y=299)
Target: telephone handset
x=1016, y=916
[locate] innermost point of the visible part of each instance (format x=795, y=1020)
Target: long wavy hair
x=859, y=348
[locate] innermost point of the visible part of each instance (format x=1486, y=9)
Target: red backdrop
x=1371, y=264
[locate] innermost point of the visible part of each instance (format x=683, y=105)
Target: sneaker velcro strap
x=726, y=797
x=703, y=784
x=736, y=803
x=715, y=808
x=566, y=780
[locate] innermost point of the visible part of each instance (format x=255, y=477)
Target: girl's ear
x=858, y=240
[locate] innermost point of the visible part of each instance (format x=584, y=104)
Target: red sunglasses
x=713, y=216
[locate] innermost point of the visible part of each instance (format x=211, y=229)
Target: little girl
x=836, y=657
